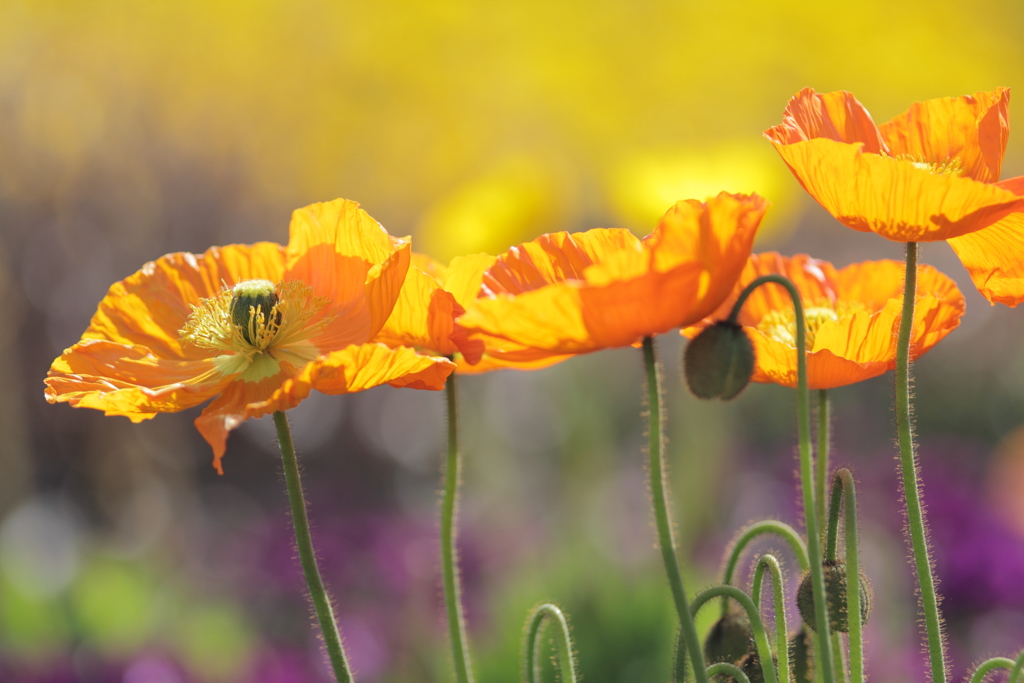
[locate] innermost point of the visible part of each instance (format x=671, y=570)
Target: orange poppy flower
x=852, y=317
x=564, y=294
x=931, y=173
x=256, y=326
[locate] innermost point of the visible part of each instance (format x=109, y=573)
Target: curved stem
x=729, y=670
x=807, y=479
x=767, y=526
x=844, y=496
x=908, y=473
x=764, y=650
x=994, y=663
x=824, y=414
x=304, y=542
x=1015, y=671
x=534, y=630
x=771, y=564
x=659, y=498
x=449, y=554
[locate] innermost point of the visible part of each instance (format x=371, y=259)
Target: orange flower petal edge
x=564, y=294
x=852, y=316
x=254, y=327
x=926, y=175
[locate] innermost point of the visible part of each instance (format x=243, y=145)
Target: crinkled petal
x=834, y=116
x=464, y=276
x=149, y=307
x=994, y=257
x=893, y=197
x=424, y=317
x=122, y=379
x=972, y=128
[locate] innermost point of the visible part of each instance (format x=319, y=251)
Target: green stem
x=728, y=670
x=449, y=555
x=771, y=564
x=534, y=630
x=304, y=541
x=823, y=448
x=764, y=650
x=844, y=494
x=994, y=663
x=659, y=499
x=807, y=479
x=908, y=473
x=837, y=658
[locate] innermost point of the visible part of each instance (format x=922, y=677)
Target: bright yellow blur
x=478, y=124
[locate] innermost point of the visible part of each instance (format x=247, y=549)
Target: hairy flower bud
x=719, y=362
x=751, y=665
x=729, y=639
x=835, y=597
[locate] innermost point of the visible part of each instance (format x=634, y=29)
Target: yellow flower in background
x=254, y=327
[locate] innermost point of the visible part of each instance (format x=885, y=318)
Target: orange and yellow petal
x=464, y=276
x=973, y=129
x=354, y=368
x=149, y=307
x=121, y=379
x=348, y=258
x=834, y=116
x=894, y=197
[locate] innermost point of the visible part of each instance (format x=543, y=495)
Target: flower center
x=256, y=325
x=780, y=325
x=948, y=166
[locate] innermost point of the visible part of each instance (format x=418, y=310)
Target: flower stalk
x=449, y=555
x=659, y=498
x=909, y=475
x=307, y=556
x=540, y=618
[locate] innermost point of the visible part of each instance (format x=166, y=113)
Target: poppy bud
x=250, y=299
x=835, y=597
x=729, y=639
x=751, y=665
x=719, y=362
x=801, y=657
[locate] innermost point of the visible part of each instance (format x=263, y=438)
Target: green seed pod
x=801, y=657
x=835, y=597
x=729, y=639
x=249, y=299
x=719, y=362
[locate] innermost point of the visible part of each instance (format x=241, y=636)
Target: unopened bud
x=729, y=639
x=835, y=597
x=751, y=666
x=719, y=362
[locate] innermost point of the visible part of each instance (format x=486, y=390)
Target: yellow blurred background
x=131, y=129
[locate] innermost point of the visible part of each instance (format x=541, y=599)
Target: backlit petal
x=120, y=379
x=973, y=129
x=834, y=116
x=893, y=197
x=149, y=307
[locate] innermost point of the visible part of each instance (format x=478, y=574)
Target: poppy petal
x=973, y=129
x=993, y=258
x=834, y=116
x=893, y=197
x=120, y=379
x=149, y=307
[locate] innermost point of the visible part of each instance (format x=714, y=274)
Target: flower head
x=256, y=326
x=851, y=316
x=564, y=294
x=931, y=173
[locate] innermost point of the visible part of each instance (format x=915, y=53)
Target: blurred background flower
x=128, y=130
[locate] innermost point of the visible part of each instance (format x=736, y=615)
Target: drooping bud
x=729, y=639
x=252, y=302
x=801, y=657
x=835, y=597
x=719, y=362
x=751, y=665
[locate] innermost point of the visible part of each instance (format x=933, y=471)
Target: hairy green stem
x=770, y=563
x=844, y=494
x=767, y=526
x=659, y=499
x=908, y=473
x=994, y=663
x=540, y=617
x=764, y=650
x=304, y=542
x=807, y=480
x=824, y=410
x=449, y=554
x=728, y=670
